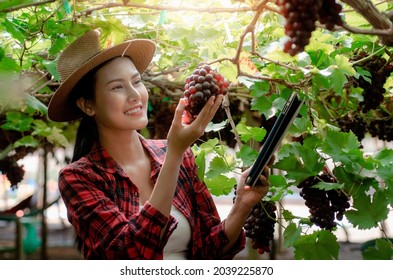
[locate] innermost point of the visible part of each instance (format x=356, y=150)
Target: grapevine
x=200, y=86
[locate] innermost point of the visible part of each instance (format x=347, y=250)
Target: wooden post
x=44, y=228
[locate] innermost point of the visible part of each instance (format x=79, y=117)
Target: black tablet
x=274, y=138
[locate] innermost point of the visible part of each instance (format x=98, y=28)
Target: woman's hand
x=247, y=196
x=180, y=135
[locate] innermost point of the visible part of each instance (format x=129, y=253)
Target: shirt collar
x=103, y=160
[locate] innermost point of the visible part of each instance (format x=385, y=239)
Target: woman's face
x=120, y=97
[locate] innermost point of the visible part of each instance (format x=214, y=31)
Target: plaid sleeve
x=105, y=230
x=213, y=234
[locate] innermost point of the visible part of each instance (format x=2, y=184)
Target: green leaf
x=260, y=101
x=343, y=147
x=247, y=132
x=278, y=180
x=200, y=161
x=368, y=211
x=17, y=121
x=33, y=105
x=385, y=156
x=301, y=161
x=287, y=215
x=382, y=250
x=56, y=137
x=217, y=166
x=328, y=186
x=27, y=141
x=320, y=245
x=216, y=126
x=14, y=30
x=366, y=75
x=9, y=65
x=247, y=155
x=338, y=80
x=344, y=65
x=300, y=125
x=51, y=67
x=208, y=146
x=220, y=185
x=291, y=234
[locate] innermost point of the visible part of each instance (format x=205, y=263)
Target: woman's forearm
x=233, y=225
x=164, y=189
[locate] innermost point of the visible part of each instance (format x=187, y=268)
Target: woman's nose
x=133, y=93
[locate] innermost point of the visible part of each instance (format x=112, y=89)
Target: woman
x=128, y=197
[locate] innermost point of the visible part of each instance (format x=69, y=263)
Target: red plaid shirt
x=103, y=207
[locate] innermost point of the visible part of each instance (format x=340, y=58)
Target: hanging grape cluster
x=301, y=17
x=259, y=226
x=324, y=206
x=200, y=86
x=382, y=127
x=373, y=89
x=13, y=171
x=354, y=123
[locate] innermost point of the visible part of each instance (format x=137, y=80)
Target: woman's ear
x=85, y=106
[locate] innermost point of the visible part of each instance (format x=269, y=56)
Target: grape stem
x=225, y=106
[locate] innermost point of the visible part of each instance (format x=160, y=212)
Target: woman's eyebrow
x=136, y=75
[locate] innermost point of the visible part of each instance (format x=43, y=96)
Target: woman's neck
x=124, y=148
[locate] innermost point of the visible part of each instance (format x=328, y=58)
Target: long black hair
x=87, y=133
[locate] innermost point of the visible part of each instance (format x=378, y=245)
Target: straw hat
x=83, y=55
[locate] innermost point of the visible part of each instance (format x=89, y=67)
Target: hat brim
x=60, y=108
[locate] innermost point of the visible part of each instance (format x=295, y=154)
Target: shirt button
x=136, y=194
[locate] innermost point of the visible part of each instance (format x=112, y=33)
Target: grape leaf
x=260, y=102
x=247, y=155
x=200, y=161
x=354, y=184
x=17, y=121
x=291, y=234
x=278, y=187
x=28, y=141
x=385, y=157
x=328, y=186
x=382, y=250
x=55, y=136
x=216, y=126
x=34, y=105
x=368, y=211
x=302, y=162
x=287, y=215
x=248, y=132
x=217, y=166
x=344, y=147
x=220, y=185
x=300, y=125
x=338, y=80
x=320, y=245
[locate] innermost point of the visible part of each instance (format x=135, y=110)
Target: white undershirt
x=177, y=245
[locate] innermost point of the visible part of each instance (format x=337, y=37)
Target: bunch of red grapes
x=373, y=89
x=203, y=83
x=259, y=226
x=13, y=171
x=324, y=206
x=301, y=16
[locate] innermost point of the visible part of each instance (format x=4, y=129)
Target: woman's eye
x=117, y=87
